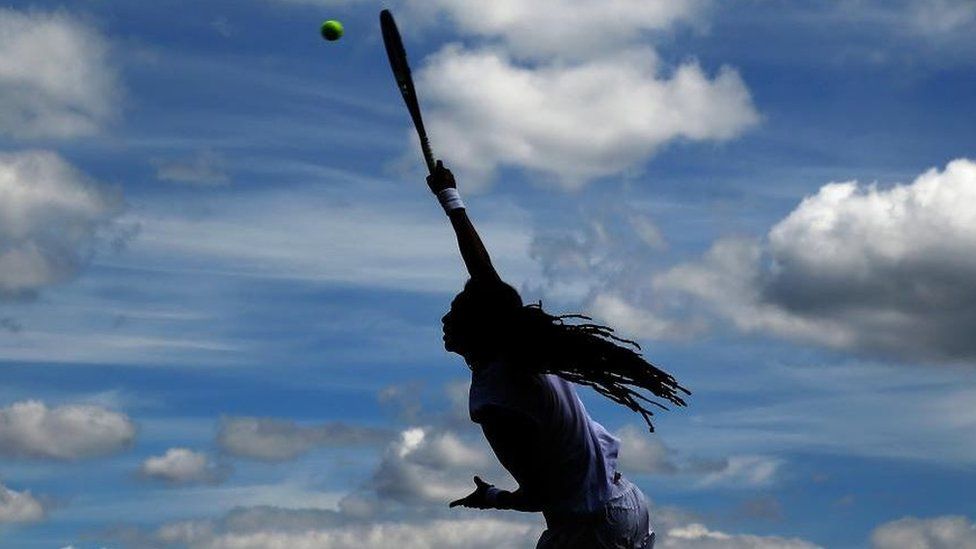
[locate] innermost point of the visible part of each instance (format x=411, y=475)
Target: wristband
x=450, y=199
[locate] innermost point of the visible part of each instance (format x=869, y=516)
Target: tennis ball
x=331, y=30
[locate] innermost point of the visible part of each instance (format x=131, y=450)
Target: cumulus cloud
x=577, y=121
x=183, y=466
x=19, y=506
x=859, y=267
x=49, y=216
x=569, y=89
x=427, y=466
x=30, y=429
x=55, y=76
x=270, y=439
x=946, y=532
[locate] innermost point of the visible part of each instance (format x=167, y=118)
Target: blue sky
x=222, y=275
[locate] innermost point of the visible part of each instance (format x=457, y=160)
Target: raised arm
x=473, y=251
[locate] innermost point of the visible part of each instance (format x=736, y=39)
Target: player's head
x=480, y=318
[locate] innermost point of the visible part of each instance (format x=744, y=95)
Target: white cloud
x=49, y=216
x=562, y=28
x=30, y=429
x=19, y=506
x=577, y=121
x=183, y=466
x=272, y=439
x=569, y=89
x=946, y=532
x=55, y=76
x=855, y=267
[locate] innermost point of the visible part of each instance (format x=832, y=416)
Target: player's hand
x=477, y=499
x=441, y=179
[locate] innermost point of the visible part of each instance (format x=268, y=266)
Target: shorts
x=624, y=523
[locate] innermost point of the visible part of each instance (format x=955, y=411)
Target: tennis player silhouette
x=522, y=363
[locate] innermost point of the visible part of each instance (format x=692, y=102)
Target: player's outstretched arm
x=473, y=251
x=515, y=439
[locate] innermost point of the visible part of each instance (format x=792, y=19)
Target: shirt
x=577, y=449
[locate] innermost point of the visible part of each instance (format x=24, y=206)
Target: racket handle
x=428, y=154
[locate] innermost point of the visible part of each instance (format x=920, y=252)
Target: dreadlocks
x=581, y=352
x=590, y=354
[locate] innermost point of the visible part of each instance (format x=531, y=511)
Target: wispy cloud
x=271, y=439
x=319, y=235
x=854, y=404
x=205, y=168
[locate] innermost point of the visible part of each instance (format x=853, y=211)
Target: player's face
x=458, y=326
x=474, y=326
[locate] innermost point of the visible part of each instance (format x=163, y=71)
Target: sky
x=222, y=274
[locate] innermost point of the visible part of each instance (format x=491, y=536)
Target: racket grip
x=428, y=154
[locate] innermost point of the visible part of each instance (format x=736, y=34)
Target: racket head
x=395, y=51
x=401, y=73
